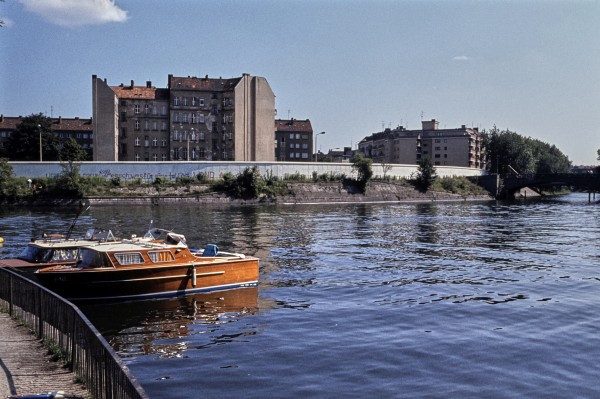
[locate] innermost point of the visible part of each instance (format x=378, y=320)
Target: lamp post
x=317, y=147
x=40, y=131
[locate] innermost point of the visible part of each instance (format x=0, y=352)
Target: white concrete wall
x=148, y=171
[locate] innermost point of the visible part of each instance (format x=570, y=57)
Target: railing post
x=10, y=295
x=38, y=310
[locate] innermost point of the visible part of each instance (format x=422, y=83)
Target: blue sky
x=350, y=66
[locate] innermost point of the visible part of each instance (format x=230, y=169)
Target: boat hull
x=149, y=282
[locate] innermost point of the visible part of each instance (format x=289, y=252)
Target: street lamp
x=40, y=131
x=317, y=147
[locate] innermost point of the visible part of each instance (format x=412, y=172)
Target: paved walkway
x=26, y=367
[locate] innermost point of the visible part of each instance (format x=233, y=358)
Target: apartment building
x=191, y=119
x=448, y=147
x=62, y=128
x=294, y=140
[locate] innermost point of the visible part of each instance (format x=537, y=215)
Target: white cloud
x=76, y=12
x=461, y=58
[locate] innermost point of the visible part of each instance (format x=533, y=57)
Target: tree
x=71, y=151
x=363, y=167
x=508, y=151
x=425, y=176
x=24, y=142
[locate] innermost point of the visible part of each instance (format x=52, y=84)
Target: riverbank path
x=26, y=367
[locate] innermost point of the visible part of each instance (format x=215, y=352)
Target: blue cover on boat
x=210, y=250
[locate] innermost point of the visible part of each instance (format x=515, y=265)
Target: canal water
x=407, y=300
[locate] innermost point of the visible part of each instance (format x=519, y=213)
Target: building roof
x=58, y=124
x=293, y=125
x=9, y=122
x=132, y=92
x=202, y=84
x=61, y=123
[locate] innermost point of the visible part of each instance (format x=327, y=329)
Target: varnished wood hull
x=148, y=282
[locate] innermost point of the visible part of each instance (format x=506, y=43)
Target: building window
x=201, y=153
x=201, y=102
x=194, y=101
x=163, y=157
x=176, y=117
x=137, y=157
x=163, y=143
x=176, y=101
x=146, y=109
x=136, y=109
x=137, y=142
x=154, y=157
x=137, y=124
x=146, y=125
x=163, y=125
x=201, y=118
x=163, y=110
x=154, y=142
x=154, y=109
x=185, y=117
x=154, y=125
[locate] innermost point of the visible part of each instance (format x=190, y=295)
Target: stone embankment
x=300, y=193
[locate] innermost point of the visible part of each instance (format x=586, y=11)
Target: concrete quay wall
x=149, y=171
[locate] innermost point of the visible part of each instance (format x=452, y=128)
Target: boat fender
x=1, y=240
x=194, y=276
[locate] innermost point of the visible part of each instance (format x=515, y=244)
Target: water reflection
x=160, y=326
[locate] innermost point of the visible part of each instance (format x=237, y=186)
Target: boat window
x=65, y=254
x=130, y=258
x=91, y=258
x=160, y=256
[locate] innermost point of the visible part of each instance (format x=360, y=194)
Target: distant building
x=192, y=119
x=340, y=155
x=62, y=128
x=448, y=147
x=294, y=140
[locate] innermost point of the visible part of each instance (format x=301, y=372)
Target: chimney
x=132, y=83
x=59, y=120
x=148, y=84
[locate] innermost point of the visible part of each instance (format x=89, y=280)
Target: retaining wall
x=148, y=171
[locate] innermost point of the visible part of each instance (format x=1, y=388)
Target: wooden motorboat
x=54, y=249
x=142, y=268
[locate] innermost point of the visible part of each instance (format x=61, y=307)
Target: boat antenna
x=72, y=226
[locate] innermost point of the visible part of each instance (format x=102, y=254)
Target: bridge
x=506, y=186
x=589, y=182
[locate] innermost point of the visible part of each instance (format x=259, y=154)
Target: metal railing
x=56, y=320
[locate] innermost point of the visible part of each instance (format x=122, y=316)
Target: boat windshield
x=35, y=254
x=90, y=258
x=46, y=255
